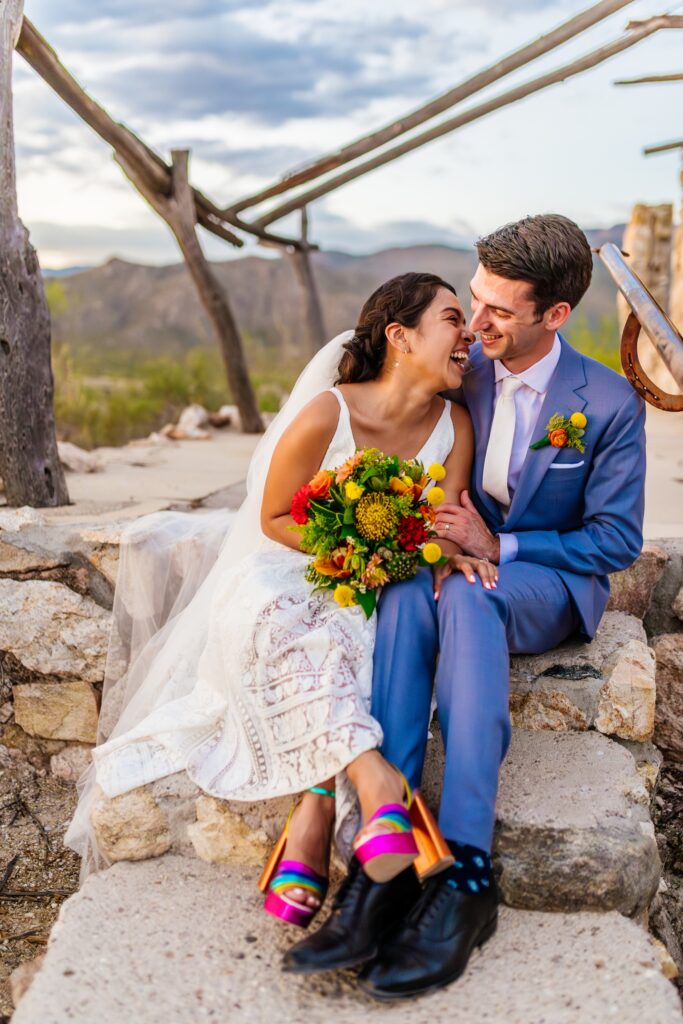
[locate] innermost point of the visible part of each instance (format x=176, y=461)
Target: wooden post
x=301, y=262
x=647, y=240
x=178, y=210
x=676, y=307
x=29, y=461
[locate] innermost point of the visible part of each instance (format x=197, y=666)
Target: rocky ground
x=668, y=819
x=38, y=872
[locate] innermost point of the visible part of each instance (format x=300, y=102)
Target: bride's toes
x=301, y=896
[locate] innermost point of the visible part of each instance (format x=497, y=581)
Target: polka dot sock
x=472, y=870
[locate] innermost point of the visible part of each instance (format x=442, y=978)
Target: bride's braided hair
x=401, y=300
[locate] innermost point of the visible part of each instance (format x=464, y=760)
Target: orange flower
x=401, y=485
x=328, y=566
x=558, y=438
x=428, y=514
x=320, y=484
x=347, y=468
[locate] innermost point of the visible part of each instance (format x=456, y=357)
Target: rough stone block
x=669, y=713
x=53, y=630
x=573, y=828
x=71, y=762
x=131, y=826
x=661, y=616
x=607, y=684
x=222, y=836
x=57, y=711
x=632, y=590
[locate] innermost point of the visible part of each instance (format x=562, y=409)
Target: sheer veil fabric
x=170, y=566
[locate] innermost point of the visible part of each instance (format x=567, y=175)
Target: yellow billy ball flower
x=577, y=419
x=436, y=472
x=435, y=495
x=343, y=595
x=431, y=553
x=376, y=516
x=353, y=491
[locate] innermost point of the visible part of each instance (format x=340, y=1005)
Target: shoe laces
x=435, y=895
x=352, y=884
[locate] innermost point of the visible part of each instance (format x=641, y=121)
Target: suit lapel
x=479, y=388
x=569, y=377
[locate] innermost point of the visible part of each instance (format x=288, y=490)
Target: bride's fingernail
x=488, y=586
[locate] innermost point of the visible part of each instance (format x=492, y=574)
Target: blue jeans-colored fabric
x=462, y=643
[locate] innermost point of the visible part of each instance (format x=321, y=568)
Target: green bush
x=106, y=406
x=601, y=343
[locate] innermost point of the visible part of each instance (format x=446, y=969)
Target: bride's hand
x=470, y=567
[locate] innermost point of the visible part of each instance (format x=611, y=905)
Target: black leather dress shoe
x=436, y=941
x=363, y=914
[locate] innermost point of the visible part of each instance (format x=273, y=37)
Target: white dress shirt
x=528, y=401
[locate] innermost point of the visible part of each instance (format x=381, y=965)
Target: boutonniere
x=564, y=433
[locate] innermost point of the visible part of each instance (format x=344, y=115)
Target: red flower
x=301, y=502
x=411, y=533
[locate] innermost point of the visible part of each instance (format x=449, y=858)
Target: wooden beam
x=445, y=127
x=668, y=21
x=179, y=211
x=677, y=77
x=531, y=51
x=44, y=60
x=664, y=148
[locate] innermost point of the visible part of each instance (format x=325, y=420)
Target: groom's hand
x=463, y=524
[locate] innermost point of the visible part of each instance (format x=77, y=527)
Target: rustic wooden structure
x=29, y=463
x=168, y=190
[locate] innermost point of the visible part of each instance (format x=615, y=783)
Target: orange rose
x=558, y=438
x=320, y=484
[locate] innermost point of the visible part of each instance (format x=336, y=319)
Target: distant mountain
x=122, y=306
x=63, y=271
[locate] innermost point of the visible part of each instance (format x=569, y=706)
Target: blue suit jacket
x=586, y=520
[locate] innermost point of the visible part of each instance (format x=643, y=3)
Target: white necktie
x=499, y=450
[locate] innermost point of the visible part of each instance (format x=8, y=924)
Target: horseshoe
x=635, y=374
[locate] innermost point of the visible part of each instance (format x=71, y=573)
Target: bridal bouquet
x=368, y=523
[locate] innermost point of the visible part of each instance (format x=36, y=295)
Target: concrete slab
x=172, y=941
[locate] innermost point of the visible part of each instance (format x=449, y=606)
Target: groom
x=556, y=520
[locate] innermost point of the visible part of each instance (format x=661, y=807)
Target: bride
x=254, y=685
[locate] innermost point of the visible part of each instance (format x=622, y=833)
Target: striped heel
x=384, y=854
x=280, y=875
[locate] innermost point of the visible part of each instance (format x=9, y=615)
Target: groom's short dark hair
x=549, y=251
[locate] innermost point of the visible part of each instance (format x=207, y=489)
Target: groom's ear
x=556, y=316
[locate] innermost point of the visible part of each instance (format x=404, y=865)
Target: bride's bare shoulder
x=317, y=420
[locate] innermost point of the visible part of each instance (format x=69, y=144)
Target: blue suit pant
x=461, y=644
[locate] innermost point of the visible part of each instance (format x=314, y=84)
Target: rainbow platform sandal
x=384, y=854
x=281, y=875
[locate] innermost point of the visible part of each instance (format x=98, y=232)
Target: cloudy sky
x=257, y=88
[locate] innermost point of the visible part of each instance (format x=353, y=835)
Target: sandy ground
x=144, y=478
x=664, y=479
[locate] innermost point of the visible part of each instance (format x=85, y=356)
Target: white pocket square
x=566, y=465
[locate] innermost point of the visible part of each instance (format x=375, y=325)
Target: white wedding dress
x=282, y=696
